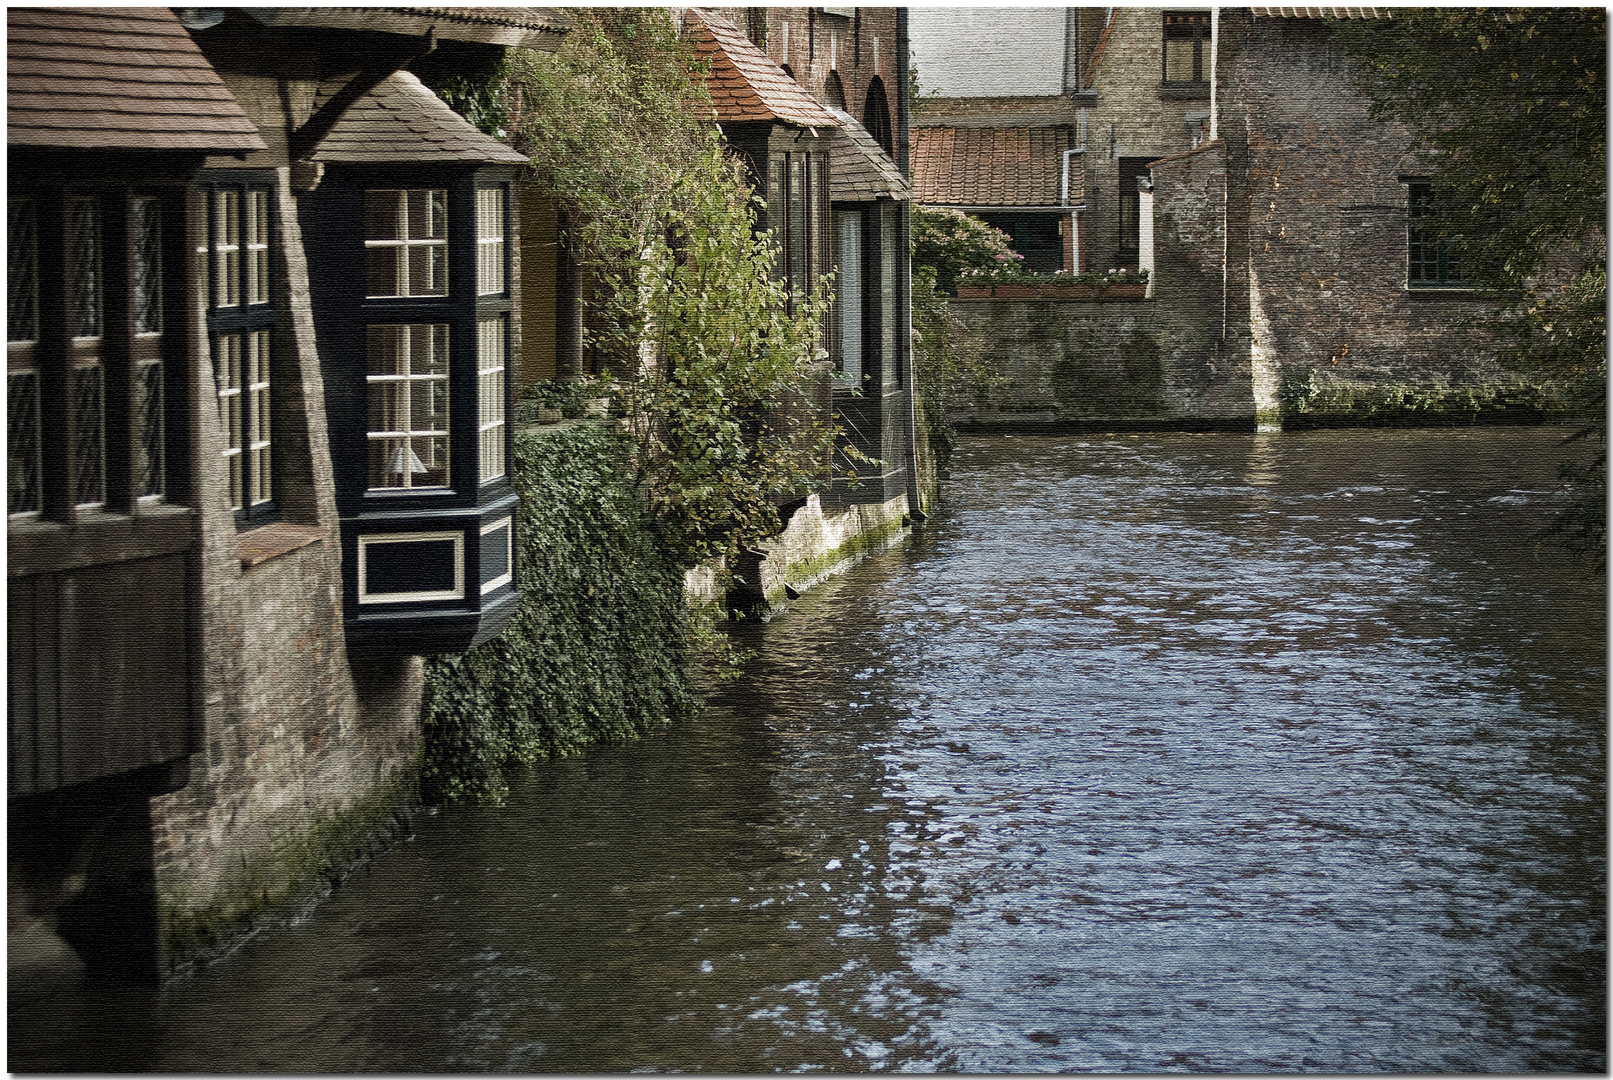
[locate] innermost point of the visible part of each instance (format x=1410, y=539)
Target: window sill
x=1442, y=292
x=1199, y=92
x=268, y=541
x=39, y=546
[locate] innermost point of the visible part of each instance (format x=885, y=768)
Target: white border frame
x=456, y=593
x=507, y=524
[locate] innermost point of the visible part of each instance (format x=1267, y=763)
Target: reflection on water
x=1151, y=753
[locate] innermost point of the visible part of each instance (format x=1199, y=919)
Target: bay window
x=416, y=346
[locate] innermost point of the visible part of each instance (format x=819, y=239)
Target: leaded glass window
x=148, y=418
x=22, y=442
x=491, y=350
x=84, y=274
x=406, y=242
x=407, y=377
x=89, y=433
x=145, y=229
x=22, y=271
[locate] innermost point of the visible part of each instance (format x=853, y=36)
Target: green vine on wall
x=596, y=651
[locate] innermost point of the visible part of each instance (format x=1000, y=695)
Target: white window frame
x=508, y=525
x=456, y=593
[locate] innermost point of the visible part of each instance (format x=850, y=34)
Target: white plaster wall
x=988, y=51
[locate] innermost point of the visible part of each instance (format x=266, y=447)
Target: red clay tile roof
x=859, y=168
x=116, y=79
x=402, y=121
x=991, y=166
x=744, y=83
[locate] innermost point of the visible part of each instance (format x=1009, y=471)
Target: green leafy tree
x=1513, y=103
x=716, y=372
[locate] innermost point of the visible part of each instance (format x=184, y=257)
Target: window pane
x=796, y=239
x=22, y=442
x=230, y=347
x=428, y=271
x=489, y=240
x=257, y=248
x=405, y=237
x=851, y=298
x=22, y=272
x=84, y=267
x=148, y=418
x=227, y=248
x=383, y=215
x=490, y=352
x=407, y=374
x=89, y=435
x=260, y=469
x=383, y=273
x=145, y=227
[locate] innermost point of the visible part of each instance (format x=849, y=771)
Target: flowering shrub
x=1012, y=272
x=953, y=243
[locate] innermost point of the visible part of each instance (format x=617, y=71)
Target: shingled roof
x=986, y=167
x=116, y=79
x=402, y=121
x=746, y=85
x=528, y=28
x=859, y=168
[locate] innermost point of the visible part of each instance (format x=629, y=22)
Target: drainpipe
x=1215, y=42
x=915, y=489
x=1074, y=216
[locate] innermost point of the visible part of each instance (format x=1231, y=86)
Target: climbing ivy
x=597, y=649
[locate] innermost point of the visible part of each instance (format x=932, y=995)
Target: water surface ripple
x=1151, y=753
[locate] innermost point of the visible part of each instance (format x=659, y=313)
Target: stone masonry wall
x=1134, y=117
x=1090, y=364
x=307, y=755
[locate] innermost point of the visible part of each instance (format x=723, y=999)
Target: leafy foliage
x=596, y=650
x=1513, y=102
x=717, y=372
x=713, y=364
x=953, y=244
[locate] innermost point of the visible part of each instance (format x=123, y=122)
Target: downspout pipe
x=915, y=497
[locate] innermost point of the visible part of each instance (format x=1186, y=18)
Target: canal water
x=1248, y=753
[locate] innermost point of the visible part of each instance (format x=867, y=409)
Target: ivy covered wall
x=596, y=651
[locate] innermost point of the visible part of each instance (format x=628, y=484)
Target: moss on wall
x=1309, y=400
x=300, y=869
x=597, y=649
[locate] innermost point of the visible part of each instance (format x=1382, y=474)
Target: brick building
x=1291, y=238
x=262, y=292
x=1124, y=87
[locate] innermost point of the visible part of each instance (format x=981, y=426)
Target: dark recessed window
x=1428, y=259
x=1186, y=41
x=86, y=424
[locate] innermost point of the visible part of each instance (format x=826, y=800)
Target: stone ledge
x=267, y=541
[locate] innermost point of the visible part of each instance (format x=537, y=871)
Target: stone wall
x=1133, y=117
x=1097, y=365
x=307, y=755
x=1337, y=330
